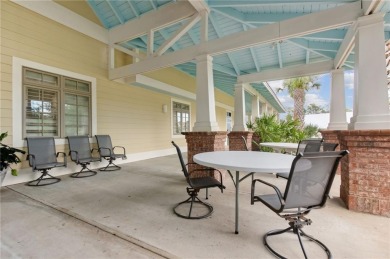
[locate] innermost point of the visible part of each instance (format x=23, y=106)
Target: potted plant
x=8, y=156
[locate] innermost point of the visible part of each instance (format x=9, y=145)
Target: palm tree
x=296, y=88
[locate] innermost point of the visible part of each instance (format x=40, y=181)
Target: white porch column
x=239, y=108
x=371, y=104
x=264, y=109
x=205, y=101
x=255, y=107
x=337, y=116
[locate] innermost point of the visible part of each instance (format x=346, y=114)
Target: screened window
x=181, y=118
x=55, y=105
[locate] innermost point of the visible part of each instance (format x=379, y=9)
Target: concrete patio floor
x=128, y=214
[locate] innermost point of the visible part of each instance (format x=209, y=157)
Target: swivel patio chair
x=197, y=183
x=107, y=151
x=80, y=152
x=327, y=146
x=42, y=156
x=307, y=188
x=306, y=145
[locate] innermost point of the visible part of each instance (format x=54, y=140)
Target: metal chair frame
x=80, y=152
x=280, y=202
x=107, y=151
x=43, y=162
x=196, y=184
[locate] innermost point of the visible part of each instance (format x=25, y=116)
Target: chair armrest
x=31, y=160
x=64, y=156
x=77, y=155
x=276, y=189
x=123, y=150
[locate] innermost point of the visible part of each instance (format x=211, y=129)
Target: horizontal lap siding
x=131, y=115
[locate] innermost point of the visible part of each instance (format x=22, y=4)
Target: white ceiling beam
x=199, y=5
x=175, y=37
x=346, y=47
x=306, y=24
x=288, y=72
x=372, y=6
x=167, y=15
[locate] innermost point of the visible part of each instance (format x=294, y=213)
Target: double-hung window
x=180, y=117
x=55, y=105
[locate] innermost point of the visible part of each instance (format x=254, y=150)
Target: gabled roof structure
x=251, y=41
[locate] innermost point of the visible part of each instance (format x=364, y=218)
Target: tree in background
x=297, y=88
x=315, y=109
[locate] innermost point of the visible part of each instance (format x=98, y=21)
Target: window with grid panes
x=180, y=118
x=55, y=105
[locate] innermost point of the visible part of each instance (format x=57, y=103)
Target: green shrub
x=270, y=129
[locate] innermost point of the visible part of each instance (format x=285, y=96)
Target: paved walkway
x=128, y=214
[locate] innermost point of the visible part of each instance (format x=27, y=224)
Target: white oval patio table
x=279, y=146
x=245, y=161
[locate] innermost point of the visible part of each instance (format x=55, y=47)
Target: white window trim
x=178, y=101
x=17, y=96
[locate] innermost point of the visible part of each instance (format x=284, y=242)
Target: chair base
x=191, y=200
x=299, y=233
x=110, y=167
x=85, y=172
x=41, y=181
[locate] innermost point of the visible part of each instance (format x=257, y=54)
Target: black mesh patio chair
x=196, y=184
x=81, y=153
x=309, y=145
x=42, y=156
x=107, y=151
x=305, y=145
x=307, y=188
x=327, y=146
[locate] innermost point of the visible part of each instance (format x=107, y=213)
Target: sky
x=320, y=97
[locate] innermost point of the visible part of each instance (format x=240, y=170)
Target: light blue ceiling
x=229, y=17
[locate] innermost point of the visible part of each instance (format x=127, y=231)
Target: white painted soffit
x=65, y=17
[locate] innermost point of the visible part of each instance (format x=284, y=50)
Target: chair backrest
x=104, y=141
x=309, y=145
x=81, y=145
x=44, y=150
x=326, y=146
x=310, y=179
x=183, y=165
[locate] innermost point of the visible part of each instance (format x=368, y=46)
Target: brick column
x=199, y=142
x=365, y=176
x=236, y=142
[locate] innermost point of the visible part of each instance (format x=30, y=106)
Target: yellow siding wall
x=131, y=115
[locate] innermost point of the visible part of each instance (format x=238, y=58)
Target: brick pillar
x=365, y=172
x=332, y=136
x=236, y=142
x=199, y=142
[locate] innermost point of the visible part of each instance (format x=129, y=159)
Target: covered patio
x=128, y=214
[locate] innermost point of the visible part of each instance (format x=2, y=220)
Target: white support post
x=263, y=109
x=371, y=103
x=255, y=107
x=111, y=57
x=239, y=108
x=337, y=116
x=205, y=100
x=150, y=46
